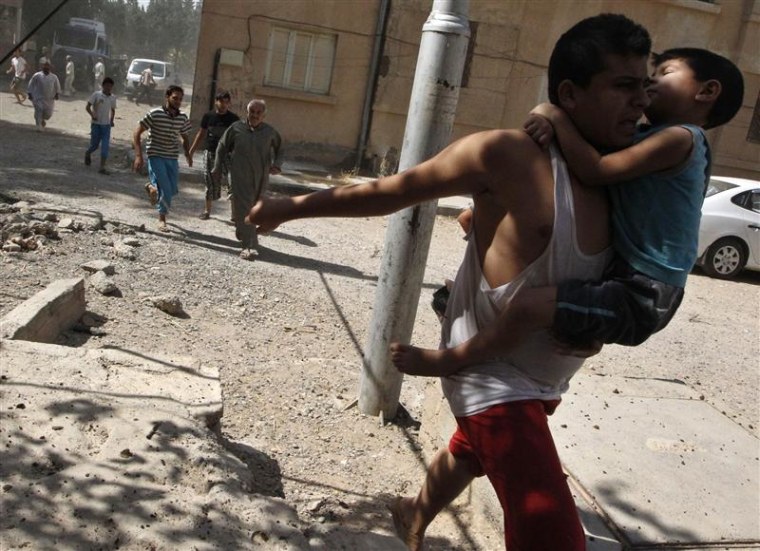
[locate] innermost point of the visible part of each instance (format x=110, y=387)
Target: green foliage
x=165, y=29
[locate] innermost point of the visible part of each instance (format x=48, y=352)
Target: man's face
x=607, y=110
x=256, y=114
x=174, y=101
x=222, y=105
x=107, y=88
x=46, y=68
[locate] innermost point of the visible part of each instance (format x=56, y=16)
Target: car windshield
x=138, y=67
x=716, y=186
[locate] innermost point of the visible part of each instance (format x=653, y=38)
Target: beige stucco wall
x=329, y=123
x=514, y=41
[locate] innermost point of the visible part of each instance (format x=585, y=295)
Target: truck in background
x=85, y=40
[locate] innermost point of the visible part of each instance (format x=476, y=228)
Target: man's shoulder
x=504, y=146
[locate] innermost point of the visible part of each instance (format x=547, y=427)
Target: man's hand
x=189, y=158
x=268, y=213
x=138, y=164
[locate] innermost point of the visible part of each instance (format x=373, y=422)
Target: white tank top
x=534, y=369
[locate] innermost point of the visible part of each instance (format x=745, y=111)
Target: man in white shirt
x=68, y=83
x=99, y=70
x=18, y=68
x=44, y=89
x=44, y=58
x=102, y=108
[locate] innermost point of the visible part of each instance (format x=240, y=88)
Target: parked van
x=164, y=76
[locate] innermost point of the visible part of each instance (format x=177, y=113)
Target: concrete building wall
x=506, y=75
x=324, y=127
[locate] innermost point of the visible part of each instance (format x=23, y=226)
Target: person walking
x=44, y=89
x=145, y=86
x=255, y=151
x=18, y=69
x=166, y=126
x=213, y=125
x=68, y=82
x=102, y=109
x=99, y=73
x=44, y=58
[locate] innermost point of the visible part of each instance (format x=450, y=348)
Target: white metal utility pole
x=429, y=122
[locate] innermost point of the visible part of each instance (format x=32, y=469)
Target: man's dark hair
x=710, y=66
x=174, y=88
x=108, y=80
x=223, y=95
x=579, y=53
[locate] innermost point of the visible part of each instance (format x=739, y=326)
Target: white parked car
x=729, y=234
x=164, y=75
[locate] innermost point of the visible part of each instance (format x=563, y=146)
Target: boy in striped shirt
x=166, y=126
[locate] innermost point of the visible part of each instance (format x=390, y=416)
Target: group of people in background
x=238, y=155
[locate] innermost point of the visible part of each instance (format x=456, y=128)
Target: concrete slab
x=44, y=316
x=664, y=467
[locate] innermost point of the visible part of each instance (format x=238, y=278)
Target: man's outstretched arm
x=460, y=169
x=529, y=310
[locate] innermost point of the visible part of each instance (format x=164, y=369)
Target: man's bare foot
x=400, y=511
x=420, y=361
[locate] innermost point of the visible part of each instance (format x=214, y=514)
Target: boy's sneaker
x=87, y=158
x=152, y=194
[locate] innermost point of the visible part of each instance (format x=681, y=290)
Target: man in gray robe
x=255, y=152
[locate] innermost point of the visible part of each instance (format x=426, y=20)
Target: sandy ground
x=286, y=330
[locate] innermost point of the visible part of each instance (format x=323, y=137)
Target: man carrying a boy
x=517, y=240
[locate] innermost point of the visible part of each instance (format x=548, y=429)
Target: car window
x=716, y=186
x=755, y=201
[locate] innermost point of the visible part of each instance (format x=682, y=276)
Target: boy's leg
x=95, y=138
x=446, y=478
x=517, y=452
x=105, y=141
x=625, y=308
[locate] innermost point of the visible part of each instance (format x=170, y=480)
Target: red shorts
x=511, y=444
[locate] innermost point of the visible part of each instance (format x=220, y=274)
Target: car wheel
x=725, y=258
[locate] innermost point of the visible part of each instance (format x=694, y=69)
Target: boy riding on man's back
x=656, y=189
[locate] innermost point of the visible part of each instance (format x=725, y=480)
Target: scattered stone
x=99, y=266
x=167, y=303
x=50, y=217
x=102, y=283
x=10, y=247
x=5, y=208
x=66, y=224
x=131, y=241
x=106, y=242
x=124, y=251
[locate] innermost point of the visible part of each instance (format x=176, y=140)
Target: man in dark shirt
x=213, y=125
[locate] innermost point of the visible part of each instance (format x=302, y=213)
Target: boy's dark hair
x=108, y=80
x=223, y=95
x=579, y=53
x=711, y=66
x=174, y=88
